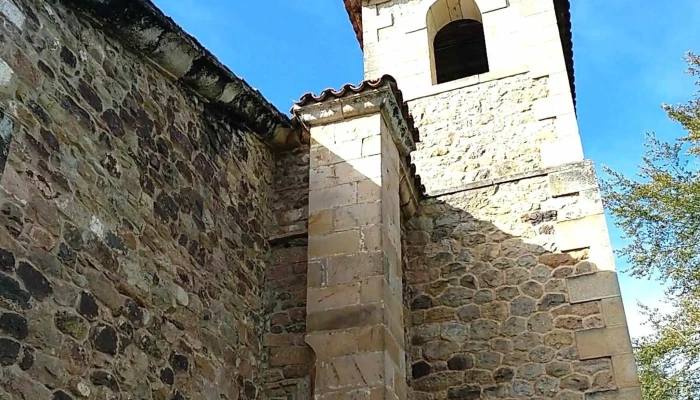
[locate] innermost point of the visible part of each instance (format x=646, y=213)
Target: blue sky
x=628, y=56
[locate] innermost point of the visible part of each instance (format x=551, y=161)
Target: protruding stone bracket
x=379, y=100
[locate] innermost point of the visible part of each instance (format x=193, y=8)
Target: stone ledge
x=446, y=87
x=536, y=173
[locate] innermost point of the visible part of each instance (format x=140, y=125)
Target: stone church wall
x=133, y=218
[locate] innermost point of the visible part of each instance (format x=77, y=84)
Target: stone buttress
x=360, y=185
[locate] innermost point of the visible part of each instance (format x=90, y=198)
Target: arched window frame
x=442, y=13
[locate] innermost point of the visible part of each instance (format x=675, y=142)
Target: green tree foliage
x=659, y=211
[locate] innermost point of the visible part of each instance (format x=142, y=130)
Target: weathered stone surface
x=439, y=381
x=464, y=393
x=523, y=307
x=546, y=386
x=88, y=306
x=11, y=291
x=14, y=325
x=461, y=362
x=483, y=329
x=105, y=339
x=7, y=260
x=542, y=354
x=439, y=350
x=421, y=369
x=9, y=351
x=72, y=325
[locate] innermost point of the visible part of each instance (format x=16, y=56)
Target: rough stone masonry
x=167, y=234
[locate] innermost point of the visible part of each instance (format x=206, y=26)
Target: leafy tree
x=659, y=211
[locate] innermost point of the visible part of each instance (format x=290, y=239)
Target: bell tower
x=509, y=278
x=438, y=48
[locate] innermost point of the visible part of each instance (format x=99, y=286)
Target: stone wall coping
x=451, y=86
x=381, y=99
x=150, y=34
x=536, y=173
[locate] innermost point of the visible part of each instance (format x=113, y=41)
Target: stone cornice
x=380, y=99
x=145, y=30
x=377, y=100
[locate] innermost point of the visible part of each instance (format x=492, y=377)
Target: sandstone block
x=597, y=286
x=353, y=268
x=356, y=215
x=332, y=297
x=336, y=196
x=290, y=356
x=614, y=311
x=346, y=317
x=553, y=106
x=625, y=370
x=360, y=370
x=334, y=244
x=603, y=342
x=574, y=180
x=333, y=154
x=368, y=191
x=12, y=13
x=320, y=222
x=581, y=233
x=372, y=145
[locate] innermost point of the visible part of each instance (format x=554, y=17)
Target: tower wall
x=510, y=275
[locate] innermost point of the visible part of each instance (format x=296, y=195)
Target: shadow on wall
x=490, y=313
x=289, y=361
